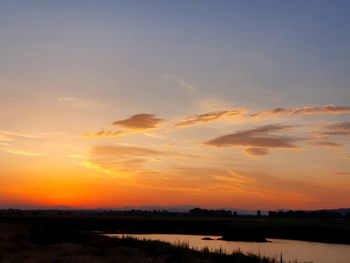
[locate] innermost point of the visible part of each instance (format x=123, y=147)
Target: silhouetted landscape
x=20, y=242
x=76, y=235
x=174, y=131
x=330, y=226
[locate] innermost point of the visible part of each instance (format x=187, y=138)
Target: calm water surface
x=291, y=250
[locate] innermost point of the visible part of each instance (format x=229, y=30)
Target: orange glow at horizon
x=219, y=105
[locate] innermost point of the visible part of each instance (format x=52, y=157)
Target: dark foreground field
x=58, y=237
x=255, y=229
x=25, y=243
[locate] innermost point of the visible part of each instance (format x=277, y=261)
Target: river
x=291, y=250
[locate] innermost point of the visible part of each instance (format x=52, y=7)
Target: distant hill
x=342, y=211
x=174, y=209
x=184, y=209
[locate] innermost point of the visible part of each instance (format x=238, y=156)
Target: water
x=291, y=250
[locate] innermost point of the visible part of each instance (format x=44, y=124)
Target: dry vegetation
x=25, y=244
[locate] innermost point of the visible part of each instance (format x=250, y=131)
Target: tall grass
x=237, y=255
x=18, y=244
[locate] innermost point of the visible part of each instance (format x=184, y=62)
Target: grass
x=329, y=230
x=24, y=243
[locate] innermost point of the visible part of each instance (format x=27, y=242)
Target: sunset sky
x=242, y=104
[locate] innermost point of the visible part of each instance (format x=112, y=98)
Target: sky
x=241, y=104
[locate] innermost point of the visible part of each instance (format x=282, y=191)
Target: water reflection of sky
x=291, y=249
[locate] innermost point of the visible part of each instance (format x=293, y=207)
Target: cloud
x=307, y=190
x=121, y=150
x=256, y=151
x=81, y=102
x=213, y=103
x=330, y=109
x=8, y=140
x=130, y=165
x=256, y=138
x=121, y=160
x=343, y=173
x=4, y=138
x=342, y=128
x=187, y=178
x=121, y=168
x=142, y=121
x=17, y=134
x=207, y=117
x=104, y=134
x=136, y=123
x=325, y=143
x=22, y=152
x=187, y=86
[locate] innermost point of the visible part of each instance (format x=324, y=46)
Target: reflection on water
x=291, y=249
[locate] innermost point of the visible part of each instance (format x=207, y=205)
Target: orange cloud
x=313, y=191
x=343, y=173
x=342, y=128
x=256, y=151
x=141, y=121
x=4, y=138
x=120, y=151
x=330, y=109
x=22, y=152
x=81, y=102
x=207, y=117
x=326, y=143
x=259, y=138
x=104, y=134
x=11, y=136
x=116, y=159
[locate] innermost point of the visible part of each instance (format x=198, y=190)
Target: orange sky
x=118, y=104
x=155, y=161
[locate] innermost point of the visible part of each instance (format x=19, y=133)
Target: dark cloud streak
x=207, y=117
x=258, y=137
x=142, y=121
x=330, y=109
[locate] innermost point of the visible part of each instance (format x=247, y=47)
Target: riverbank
x=20, y=242
x=291, y=250
x=250, y=229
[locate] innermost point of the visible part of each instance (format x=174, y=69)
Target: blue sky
x=236, y=48
x=69, y=69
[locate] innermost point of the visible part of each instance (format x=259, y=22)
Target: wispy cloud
x=208, y=117
x=256, y=151
x=138, y=123
x=325, y=143
x=343, y=173
x=123, y=159
x=342, y=129
x=187, y=85
x=4, y=138
x=81, y=102
x=260, y=137
x=19, y=134
x=212, y=104
x=118, y=151
x=22, y=152
x=142, y=121
x=312, y=110
x=104, y=134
